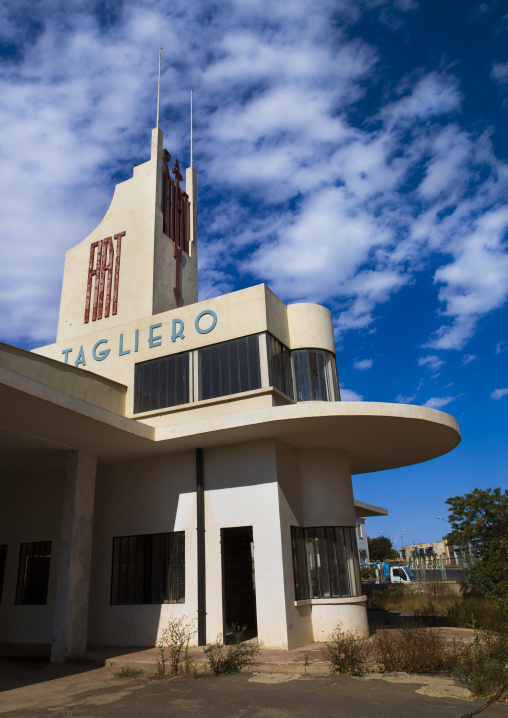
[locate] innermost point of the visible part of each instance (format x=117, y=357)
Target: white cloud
x=431, y=361
x=400, y=399
x=499, y=72
x=298, y=187
x=362, y=364
x=467, y=358
x=500, y=348
x=439, y=402
x=498, y=394
x=350, y=395
x=432, y=95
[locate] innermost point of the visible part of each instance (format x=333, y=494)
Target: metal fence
x=438, y=569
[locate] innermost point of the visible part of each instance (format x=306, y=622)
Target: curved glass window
x=325, y=562
x=316, y=375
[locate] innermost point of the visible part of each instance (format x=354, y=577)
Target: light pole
x=401, y=541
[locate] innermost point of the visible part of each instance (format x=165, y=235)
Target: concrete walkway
x=305, y=660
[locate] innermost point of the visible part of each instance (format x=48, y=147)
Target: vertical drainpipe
x=200, y=502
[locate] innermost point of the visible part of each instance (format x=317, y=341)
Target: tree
x=479, y=522
x=381, y=549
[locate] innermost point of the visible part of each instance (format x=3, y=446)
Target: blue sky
x=349, y=152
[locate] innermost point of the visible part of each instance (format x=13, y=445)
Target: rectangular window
x=281, y=376
x=325, y=562
x=33, y=573
x=148, y=569
x=229, y=367
x=3, y=558
x=162, y=382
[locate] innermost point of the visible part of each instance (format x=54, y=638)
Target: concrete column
x=73, y=581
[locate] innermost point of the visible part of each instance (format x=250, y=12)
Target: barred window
x=148, y=569
x=316, y=375
x=229, y=367
x=281, y=376
x=162, y=382
x=3, y=558
x=325, y=562
x=33, y=573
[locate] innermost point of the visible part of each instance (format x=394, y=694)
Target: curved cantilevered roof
x=40, y=421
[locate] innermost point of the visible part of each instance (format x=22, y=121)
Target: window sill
x=226, y=399
x=330, y=601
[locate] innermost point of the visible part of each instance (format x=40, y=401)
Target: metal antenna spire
x=191, y=127
x=159, y=88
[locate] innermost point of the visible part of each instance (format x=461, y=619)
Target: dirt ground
x=40, y=690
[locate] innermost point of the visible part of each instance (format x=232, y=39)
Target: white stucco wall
x=30, y=510
x=140, y=497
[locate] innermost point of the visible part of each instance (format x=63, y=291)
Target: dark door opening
x=238, y=586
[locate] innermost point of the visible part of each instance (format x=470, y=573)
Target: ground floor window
x=325, y=562
x=3, y=557
x=33, y=573
x=148, y=569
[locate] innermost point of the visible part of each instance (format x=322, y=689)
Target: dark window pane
x=279, y=364
x=325, y=562
x=316, y=375
x=161, y=383
x=148, y=569
x=146, y=388
x=33, y=573
x=216, y=382
x=233, y=368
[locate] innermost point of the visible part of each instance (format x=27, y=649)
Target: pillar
x=73, y=580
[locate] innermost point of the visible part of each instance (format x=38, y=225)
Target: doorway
x=238, y=582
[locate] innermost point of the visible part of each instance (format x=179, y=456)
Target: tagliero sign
x=103, y=261
x=101, y=349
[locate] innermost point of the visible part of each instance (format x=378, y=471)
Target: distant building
x=168, y=457
x=430, y=552
x=364, y=511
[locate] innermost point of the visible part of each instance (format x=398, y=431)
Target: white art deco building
x=168, y=457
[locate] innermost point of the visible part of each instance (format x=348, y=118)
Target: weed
x=346, y=653
x=231, y=659
x=171, y=643
x=483, y=664
x=127, y=672
x=413, y=650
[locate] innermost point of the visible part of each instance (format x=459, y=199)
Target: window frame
x=325, y=562
x=33, y=576
x=145, y=581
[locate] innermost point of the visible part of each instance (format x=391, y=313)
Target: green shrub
x=346, y=652
x=413, y=650
x=483, y=664
x=231, y=659
x=368, y=573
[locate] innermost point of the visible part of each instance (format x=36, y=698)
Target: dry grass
x=437, y=604
x=413, y=650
